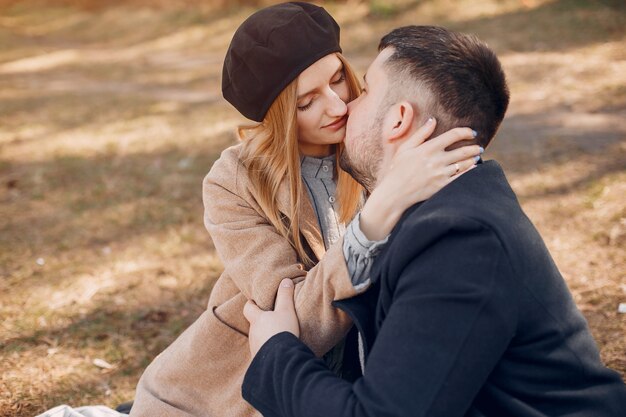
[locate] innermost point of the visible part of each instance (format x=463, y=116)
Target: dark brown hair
x=460, y=73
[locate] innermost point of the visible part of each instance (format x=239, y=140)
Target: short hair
x=461, y=81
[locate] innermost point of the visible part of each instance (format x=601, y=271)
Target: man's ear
x=400, y=120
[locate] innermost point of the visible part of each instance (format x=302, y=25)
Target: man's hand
x=265, y=324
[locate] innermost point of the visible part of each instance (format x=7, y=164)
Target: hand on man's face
x=265, y=324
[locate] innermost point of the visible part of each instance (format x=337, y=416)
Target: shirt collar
x=321, y=168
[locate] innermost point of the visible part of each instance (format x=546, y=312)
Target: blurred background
x=111, y=114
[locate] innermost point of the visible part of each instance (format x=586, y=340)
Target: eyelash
x=308, y=106
x=341, y=79
x=304, y=108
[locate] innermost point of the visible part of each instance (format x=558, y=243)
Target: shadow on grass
x=150, y=324
x=118, y=24
x=554, y=26
x=596, y=175
x=557, y=26
x=128, y=336
x=71, y=202
x=531, y=142
x=80, y=114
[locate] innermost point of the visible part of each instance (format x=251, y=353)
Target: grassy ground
x=110, y=117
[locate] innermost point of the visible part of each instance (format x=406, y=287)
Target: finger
x=453, y=177
x=458, y=168
x=420, y=136
x=466, y=165
x=461, y=154
x=451, y=137
x=251, y=311
x=284, y=297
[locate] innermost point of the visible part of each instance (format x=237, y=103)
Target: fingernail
x=430, y=120
x=286, y=283
x=481, y=149
x=474, y=133
x=476, y=158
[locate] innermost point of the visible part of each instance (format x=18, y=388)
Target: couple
x=435, y=296
x=282, y=205
x=459, y=311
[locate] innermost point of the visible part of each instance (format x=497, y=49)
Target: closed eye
x=306, y=106
x=342, y=78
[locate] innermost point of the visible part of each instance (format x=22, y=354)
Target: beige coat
x=201, y=373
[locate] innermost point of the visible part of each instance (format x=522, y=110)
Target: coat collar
x=309, y=228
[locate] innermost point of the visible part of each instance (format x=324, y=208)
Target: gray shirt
x=318, y=176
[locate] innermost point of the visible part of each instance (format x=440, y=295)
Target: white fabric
x=361, y=353
x=89, y=411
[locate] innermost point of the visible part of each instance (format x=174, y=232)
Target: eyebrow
x=341, y=68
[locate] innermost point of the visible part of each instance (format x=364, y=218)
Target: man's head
x=422, y=71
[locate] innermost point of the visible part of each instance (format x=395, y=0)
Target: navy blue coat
x=469, y=317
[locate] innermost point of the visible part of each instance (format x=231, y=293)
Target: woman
x=276, y=205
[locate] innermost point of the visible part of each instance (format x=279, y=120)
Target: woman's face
x=322, y=111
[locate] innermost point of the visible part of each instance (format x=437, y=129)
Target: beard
x=363, y=163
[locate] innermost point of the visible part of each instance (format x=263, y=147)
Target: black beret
x=270, y=49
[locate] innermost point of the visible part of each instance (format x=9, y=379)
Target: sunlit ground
x=110, y=117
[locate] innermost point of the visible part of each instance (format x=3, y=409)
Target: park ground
x=110, y=117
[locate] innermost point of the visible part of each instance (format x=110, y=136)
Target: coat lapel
x=309, y=227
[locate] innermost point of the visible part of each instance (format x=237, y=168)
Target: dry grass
x=110, y=118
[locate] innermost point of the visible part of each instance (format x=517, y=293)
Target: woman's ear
x=400, y=120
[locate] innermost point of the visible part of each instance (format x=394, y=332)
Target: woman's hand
x=417, y=171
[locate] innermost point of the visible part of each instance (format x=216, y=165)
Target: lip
x=337, y=124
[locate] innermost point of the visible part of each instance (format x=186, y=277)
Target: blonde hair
x=271, y=153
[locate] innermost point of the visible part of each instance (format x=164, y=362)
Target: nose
x=336, y=107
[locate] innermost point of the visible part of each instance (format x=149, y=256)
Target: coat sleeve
x=257, y=258
x=445, y=329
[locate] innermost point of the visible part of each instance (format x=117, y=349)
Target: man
x=467, y=315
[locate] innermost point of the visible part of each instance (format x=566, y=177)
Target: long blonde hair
x=270, y=153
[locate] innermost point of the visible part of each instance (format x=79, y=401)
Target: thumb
x=284, y=297
x=251, y=311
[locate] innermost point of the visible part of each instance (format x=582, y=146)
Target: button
x=325, y=168
x=331, y=199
